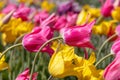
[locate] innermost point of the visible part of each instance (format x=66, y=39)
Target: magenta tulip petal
x=40, y=16
x=9, y=8
x=22, y=12
x=34, y=40
x=118, y=30
x=26, y=75
x=112, y=71
x=116, y=47
x=107, y=8
x=77, y=35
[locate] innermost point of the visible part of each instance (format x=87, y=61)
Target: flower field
x=59, y=39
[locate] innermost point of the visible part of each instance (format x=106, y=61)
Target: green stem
x=111, y=37
x=32, y=70
x=51, y=77
x=100, y=19
x=103, y=59
x=19, y=38
x=4, y=52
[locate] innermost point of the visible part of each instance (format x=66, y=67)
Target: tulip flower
x=9, y=8
x=25, y=75
x=60, y=23
x=107, y=8
x=115, y=14
x=22, y=12
x=71, y=19
x=105, y=28
x=65, y=63
x=48, y=6
x=112, y=71
x=116, y=47
x=65, y=21
x=68, y=6
x=78, y=35
x=12, y=30
x=118, y=30
x=87, y=14
x=3, y=64
x=26, y=1
x=41, y=16
x=34, y=40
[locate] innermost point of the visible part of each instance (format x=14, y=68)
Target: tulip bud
x=34, y=40
x=78, y=35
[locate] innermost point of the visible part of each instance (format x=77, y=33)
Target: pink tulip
x=26, y=75
x=40, y=16
x=112, y=71
x=78, y=35
x=65, y=21
x=22, y=12
x=71, y=19
x=115, y=47
x=118, y=30
x=34, y=40
x=107, y=8
x=60, y=23
x=50, y=21
x=9, y=8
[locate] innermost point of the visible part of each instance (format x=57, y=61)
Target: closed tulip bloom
x=34, y=40
x=60, y=23
x=22, y=12
x=25, y=75
x=112, y=71
x=78, y=35
x=107, y=8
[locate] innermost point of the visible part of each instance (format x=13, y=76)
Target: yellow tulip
x=87, y=14
x=2, y=3
x=66, y=63
x=116, y=14
x=26, y=1
x=46, y=5
x=82, y=17
x=13, y=29
x=104, y=28
x=3, y=64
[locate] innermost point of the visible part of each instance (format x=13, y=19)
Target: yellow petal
x=47, y=5
x=92, y=58
x=3, y=64
x=64, y=63
x=116, y=14
x=82, y=17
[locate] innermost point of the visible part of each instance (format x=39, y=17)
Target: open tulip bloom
x=66, y=63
